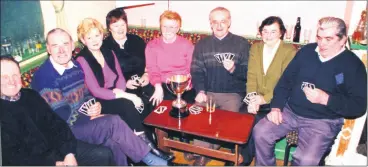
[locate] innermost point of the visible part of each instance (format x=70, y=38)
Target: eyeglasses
x=272, y=33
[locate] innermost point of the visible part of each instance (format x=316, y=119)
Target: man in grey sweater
x=220, y=63
x=219, y=69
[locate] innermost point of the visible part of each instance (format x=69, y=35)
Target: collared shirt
x=13, y=98
x=268, y=56
x=328, y=58
x=60, y=68
x=222, y=36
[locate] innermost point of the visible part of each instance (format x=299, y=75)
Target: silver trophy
x=178, y=84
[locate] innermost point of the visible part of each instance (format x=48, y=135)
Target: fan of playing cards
x=160, y=109
x=140, y=108
x=194, y=109
x=307, y=84
x=249, y=96
x=220, y=57
x=136, y=79
x=86, y=105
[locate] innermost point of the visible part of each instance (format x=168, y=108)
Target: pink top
x=109, y=77
x=166, y=59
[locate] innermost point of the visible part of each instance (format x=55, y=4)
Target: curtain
x=60, y=14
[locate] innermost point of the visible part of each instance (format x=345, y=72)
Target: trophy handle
x=168, y=82
x=190, y=81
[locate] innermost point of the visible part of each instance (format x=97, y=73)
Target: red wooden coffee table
x=227, y=126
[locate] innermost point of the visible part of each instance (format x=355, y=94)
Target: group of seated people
x=89, y=109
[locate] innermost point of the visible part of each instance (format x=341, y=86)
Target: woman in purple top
x=105, y=80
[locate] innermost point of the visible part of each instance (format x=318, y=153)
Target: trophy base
x=179, y=112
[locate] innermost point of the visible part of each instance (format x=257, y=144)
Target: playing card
x=140, y=108
x=160, y=109
x=83, y=109
x=217, y=56
x=249, y=96
x=311, y=86
x=231, y=57
x=90, y=102
x=222, y=58
x=135, y=78
x=86, y=105
x=307, y=84
x=226, y=56
x=194, y=109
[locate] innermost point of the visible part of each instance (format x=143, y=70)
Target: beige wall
x=75, y=11
x=246, y=14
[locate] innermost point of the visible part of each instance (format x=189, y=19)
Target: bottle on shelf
x=6, y=46
x=359, y=35
x=297, y=29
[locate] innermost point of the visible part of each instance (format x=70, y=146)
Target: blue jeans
x=315, y=138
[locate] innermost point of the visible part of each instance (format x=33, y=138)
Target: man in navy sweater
x=340, y=91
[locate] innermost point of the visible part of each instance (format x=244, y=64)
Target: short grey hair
x=220, y=8
x=57, y=30
x=327, y=22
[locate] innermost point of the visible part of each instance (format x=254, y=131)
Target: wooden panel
x=226, y=126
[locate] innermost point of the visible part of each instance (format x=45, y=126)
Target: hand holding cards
x=251, y=107
x=307, y=84
x=220, y=57
x=249, y=96
x=313, y=94
x=86, y=106
x=136, y=78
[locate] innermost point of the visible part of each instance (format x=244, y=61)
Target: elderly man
x=322, y=85
x=220, y=63
x=219, y=68
x=60, y=80
x=32, y=134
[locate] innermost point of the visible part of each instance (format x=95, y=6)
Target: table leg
x=236, y=155
x=161, y=135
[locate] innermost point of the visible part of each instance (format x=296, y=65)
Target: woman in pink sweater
x=168, y=55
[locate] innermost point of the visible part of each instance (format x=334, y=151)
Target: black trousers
x=145, y=94
x=125, y=109
x=93, y=155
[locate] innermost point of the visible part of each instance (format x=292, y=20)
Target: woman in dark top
x=129, y=49
x=105, y=80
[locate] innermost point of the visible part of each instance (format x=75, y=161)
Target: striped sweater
x=64, y=93
x=210, y=75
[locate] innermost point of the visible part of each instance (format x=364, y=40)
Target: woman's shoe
x=155, y=150
x=201, y=161
x=189, y=156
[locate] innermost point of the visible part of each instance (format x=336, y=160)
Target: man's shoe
x=166, y=156
x=155, y=150
x=201, y=161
